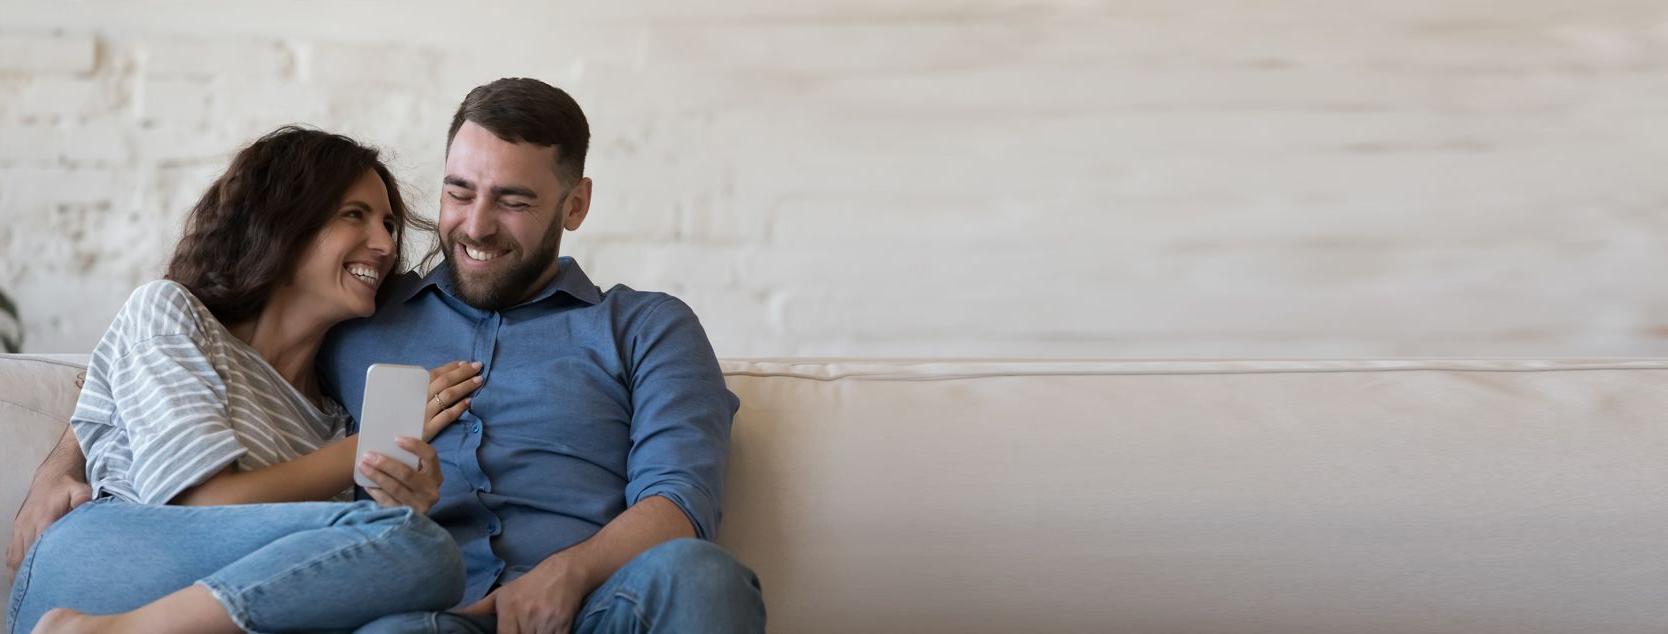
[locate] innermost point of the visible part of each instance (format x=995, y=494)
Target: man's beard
x=502, y=289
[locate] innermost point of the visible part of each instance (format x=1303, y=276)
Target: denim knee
x=694, y=566
x=423, y=546
x=427, y=542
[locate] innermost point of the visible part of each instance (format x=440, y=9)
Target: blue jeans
x=684, y=585
x=307, y=566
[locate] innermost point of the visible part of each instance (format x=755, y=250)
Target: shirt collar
x=570, y=279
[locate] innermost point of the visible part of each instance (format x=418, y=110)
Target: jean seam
x=259, y=587
x=643, y=623
x=20, y=586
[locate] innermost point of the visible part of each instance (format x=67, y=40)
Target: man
x=583, y=480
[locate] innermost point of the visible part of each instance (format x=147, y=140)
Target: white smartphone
x=394, y=402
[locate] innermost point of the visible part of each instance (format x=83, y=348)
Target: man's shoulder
x=642, y=318
x=637, y=308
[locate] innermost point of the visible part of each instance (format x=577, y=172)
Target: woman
x=202, y=410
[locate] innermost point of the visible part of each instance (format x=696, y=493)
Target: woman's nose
x=381, y=241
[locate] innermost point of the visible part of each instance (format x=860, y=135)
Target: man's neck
x=544, y=279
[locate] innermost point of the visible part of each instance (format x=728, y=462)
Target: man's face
x=502, y=212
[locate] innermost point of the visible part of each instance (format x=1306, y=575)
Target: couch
x=1392, y=496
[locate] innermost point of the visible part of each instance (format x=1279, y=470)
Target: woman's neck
x=288, y=339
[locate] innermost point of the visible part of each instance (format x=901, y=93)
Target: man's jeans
x=308, y=566
x=684, y=585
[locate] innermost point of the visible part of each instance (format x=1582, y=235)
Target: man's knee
x=688, y=584
x=428, y=623
x=696, y=562
x=408, y=623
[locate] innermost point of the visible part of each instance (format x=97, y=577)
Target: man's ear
x=578, y=204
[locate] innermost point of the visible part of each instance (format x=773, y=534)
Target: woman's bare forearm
x=316, y=476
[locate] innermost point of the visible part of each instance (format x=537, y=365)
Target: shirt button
x=474, y=428
x=492, y=527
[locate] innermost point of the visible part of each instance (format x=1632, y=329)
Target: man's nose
x=479, y=221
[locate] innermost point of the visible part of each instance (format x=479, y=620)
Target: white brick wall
x=945, y=178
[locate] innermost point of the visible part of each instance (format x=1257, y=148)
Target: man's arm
x=680, y=433
x=645, y=525
x=59, y=485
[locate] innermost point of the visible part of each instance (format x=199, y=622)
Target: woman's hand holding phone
x=392, y=483
x=400, y=485
x=449, y=388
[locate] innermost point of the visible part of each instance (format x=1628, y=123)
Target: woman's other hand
x=449, y=387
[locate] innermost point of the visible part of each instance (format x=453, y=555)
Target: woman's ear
x=577, y=205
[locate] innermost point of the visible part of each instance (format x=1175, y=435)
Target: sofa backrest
x=1289, y=497
x=1200, y=496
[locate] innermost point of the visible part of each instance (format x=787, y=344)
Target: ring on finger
x=437, y=400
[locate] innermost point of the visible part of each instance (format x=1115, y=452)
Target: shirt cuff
x=701, y=510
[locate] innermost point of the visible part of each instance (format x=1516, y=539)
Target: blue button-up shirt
x=592, y=401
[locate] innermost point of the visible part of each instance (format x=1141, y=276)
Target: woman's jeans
x=306, y=566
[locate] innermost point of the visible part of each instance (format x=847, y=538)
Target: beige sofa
x=1153, y=496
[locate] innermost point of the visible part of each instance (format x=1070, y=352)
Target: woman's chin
x=355, y=310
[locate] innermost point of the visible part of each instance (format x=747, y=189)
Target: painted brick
x=188, y=102
x=981, y=178
x=47, y=53
x=105, y=140
x=30, y=144
x=202, y=57
x=53, y=96
x=372, y=64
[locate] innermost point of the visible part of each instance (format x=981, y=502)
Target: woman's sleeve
x=167, y=395
x=173, y=405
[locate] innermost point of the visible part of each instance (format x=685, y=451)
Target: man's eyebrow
x=501, y=191
x=498, y=191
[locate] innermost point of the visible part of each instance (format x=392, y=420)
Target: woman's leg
x=268, y=566
x=193, y=610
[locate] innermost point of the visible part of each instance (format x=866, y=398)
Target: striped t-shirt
x=172, y=398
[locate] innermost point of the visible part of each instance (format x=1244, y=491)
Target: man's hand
x=545, y=600
x=400, y=485
x=51, y=497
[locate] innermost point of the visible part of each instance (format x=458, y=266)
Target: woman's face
x=350, y=257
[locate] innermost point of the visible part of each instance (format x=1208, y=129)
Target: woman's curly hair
x=245, y=236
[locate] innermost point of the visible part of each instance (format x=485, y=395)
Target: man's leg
x=272, y=566
x=431, y=623
x=684, y=585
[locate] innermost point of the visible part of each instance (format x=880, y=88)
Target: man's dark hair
x=246, y=235
x=522, y=110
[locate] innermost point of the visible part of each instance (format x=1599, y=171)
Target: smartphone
x=394, y=402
